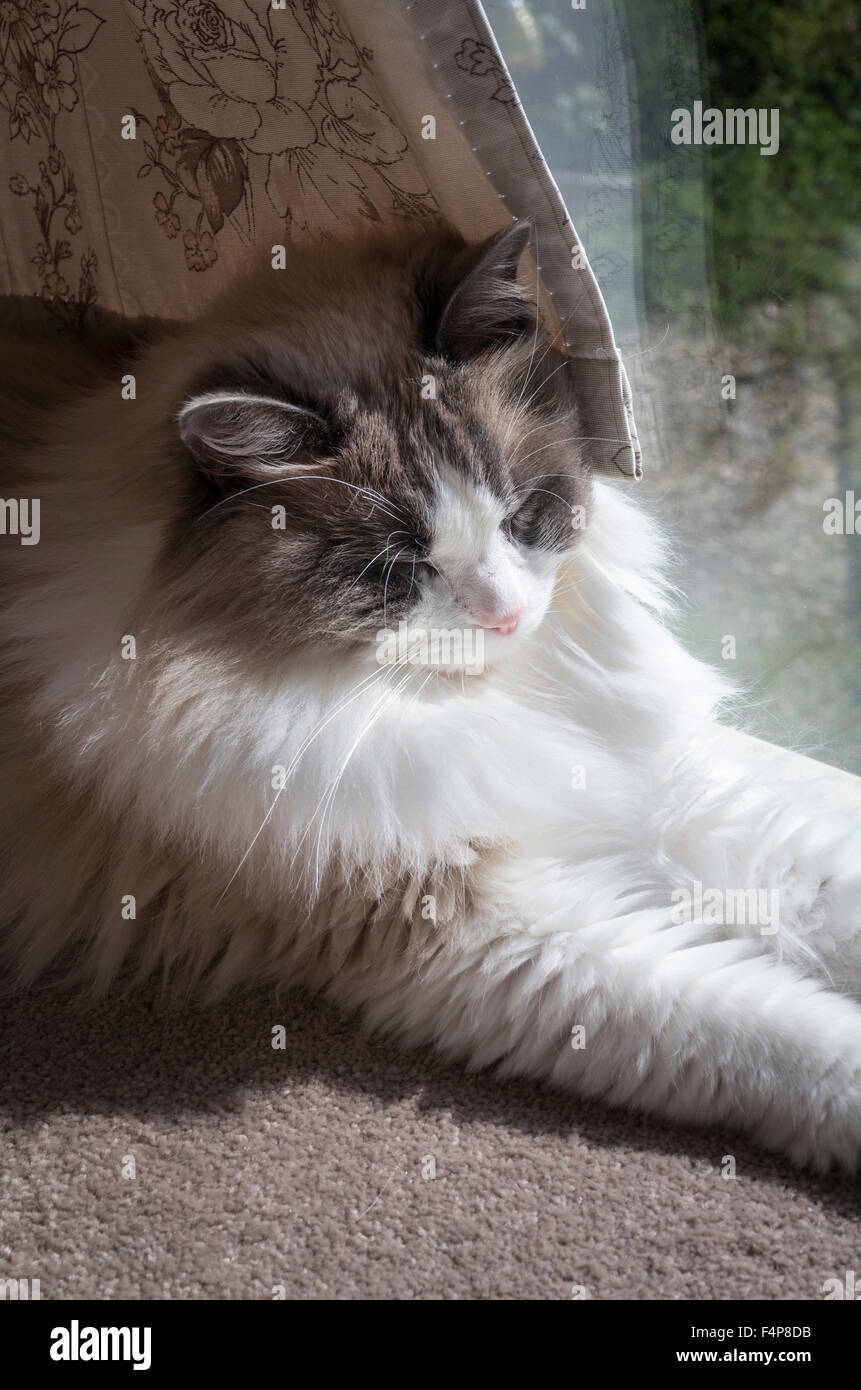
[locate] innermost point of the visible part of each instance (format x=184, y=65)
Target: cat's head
x=383, y=443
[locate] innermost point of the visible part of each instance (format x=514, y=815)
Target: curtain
x=146, y=146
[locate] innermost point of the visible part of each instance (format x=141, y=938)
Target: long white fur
x=405, y=774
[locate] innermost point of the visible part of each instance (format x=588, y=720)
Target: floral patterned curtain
x=147, y=145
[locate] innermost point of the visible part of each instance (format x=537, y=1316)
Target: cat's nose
x=505, y=625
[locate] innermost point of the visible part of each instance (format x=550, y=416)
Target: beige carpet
x=309, y=1168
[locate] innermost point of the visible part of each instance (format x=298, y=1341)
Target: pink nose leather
x=505, y=625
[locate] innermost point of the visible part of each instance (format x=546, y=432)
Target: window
x=732, y=273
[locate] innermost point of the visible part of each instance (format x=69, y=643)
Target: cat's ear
x=238, y=434
x=487, y=307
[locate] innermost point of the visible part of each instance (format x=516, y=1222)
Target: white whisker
x=306, y=478
x=348, y=699
x=571, y=439
x=386, y=587
x=382, y=704
x=384, y=551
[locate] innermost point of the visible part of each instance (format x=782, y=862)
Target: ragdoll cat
x=334, y=666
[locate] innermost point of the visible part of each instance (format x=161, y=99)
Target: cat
x=336, y=666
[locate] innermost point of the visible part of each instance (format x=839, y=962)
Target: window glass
x=728, y=249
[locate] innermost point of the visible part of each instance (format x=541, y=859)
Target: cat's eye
x=539, y=504
x=391, y=568
x=520, y=524
x=407, y=566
